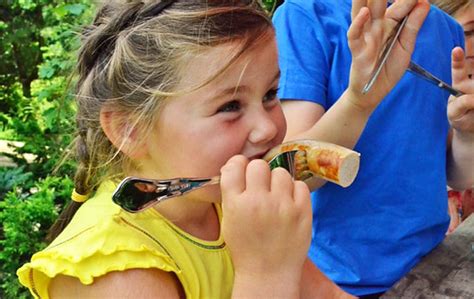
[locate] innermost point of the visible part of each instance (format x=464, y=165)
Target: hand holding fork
x=460, y=113
x=412, y=67
x=372, y=25
x=461, y=109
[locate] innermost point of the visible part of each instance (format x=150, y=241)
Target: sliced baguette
x=329, y=161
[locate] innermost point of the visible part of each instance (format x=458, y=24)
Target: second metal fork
x=422, y=73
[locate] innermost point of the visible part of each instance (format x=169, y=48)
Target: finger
x=282, y=182
x=415, y=20
x=460, y=106
x=355, y=34
x=459, y=66
x=258, y=176
x=302, y=195
x=233, y=176
x=377, y=8
x=357, y=5
x=400, y=9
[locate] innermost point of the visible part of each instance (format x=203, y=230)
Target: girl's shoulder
x=100, y=239
x=120, y=284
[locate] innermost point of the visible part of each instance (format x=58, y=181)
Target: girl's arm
x=460, y=159
x=314, y=284
x=133, y=284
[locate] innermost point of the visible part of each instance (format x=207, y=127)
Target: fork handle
x=185, y=185
x=424, y=74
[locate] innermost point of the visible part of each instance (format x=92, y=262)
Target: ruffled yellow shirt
x=102, y=238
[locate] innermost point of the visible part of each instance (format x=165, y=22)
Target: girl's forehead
x=210, y=76
x=211, y=60
x=222, y=62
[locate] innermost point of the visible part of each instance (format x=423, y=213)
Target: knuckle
x=239, y=159
x=233, y=162
x=281, y=173
x=302, y=186
x=258, y=164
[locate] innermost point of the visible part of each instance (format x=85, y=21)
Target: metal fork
x=392, y=40
x=422, y=73
x=135, y=194
x=412, y=67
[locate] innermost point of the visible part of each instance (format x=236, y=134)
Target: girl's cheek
x=281, y=123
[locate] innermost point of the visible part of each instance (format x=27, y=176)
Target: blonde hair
x=131, y=60
x=451, y=7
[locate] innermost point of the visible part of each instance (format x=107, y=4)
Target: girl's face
x=236, y=113
x=465, y=16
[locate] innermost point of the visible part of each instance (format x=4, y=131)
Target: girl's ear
x=119, y=131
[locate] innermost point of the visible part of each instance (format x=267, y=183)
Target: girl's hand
x=461, y=109
x=266, y=221
x=372, y=24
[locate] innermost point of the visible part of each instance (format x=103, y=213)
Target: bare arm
x=342, y=124
x=314, y=284
x=134, y=283
x=301, y=116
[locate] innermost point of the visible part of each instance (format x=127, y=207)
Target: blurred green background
x=38, y=41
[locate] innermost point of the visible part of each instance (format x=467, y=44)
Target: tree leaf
x=75, y=9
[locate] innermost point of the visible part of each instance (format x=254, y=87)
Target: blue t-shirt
x=367, y=236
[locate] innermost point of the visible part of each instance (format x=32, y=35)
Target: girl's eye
x=232, y=106
x=271, y=95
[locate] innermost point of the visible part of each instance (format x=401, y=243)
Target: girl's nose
x=264, y=127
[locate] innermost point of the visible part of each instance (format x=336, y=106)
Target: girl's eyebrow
x=241, y=88
x=231, y=91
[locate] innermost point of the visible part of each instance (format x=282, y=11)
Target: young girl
x=188, y=89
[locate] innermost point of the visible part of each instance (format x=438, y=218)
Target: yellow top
x=102, y=238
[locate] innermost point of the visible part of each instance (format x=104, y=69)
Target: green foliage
x=10, y=178
x=38, y=39
x=37, y=97
x=26, y=214
x=270, y=5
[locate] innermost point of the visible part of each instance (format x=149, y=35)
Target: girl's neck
x=198, y=219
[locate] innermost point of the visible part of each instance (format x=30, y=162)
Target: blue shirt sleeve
x=304, y=75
